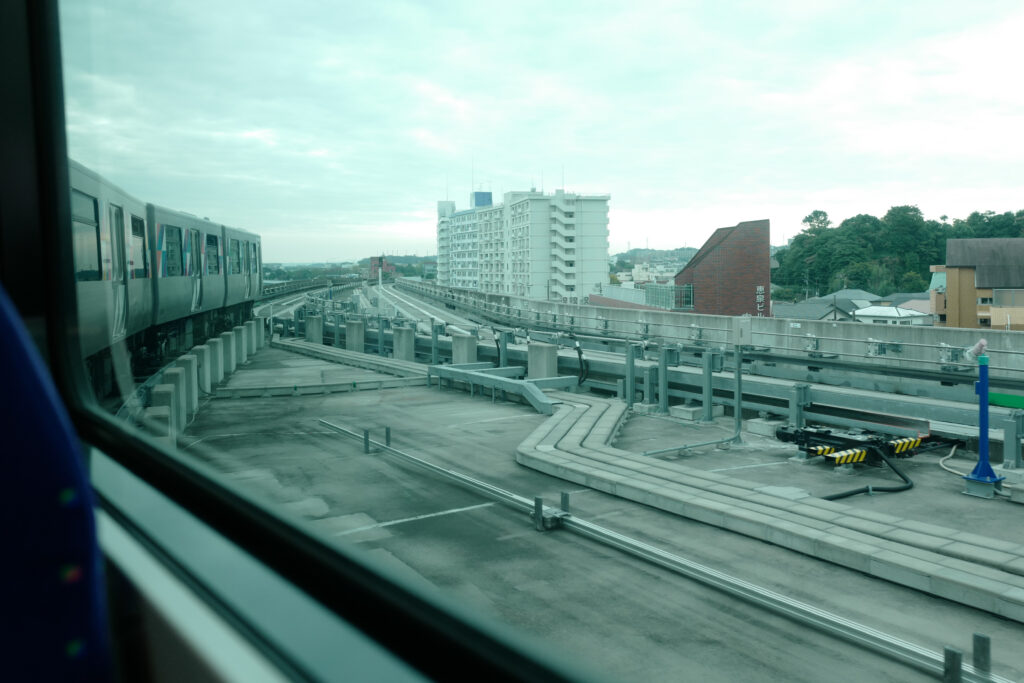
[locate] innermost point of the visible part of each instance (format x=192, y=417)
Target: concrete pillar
x=240, y=355
x=337, y=329
x=188, y=364
x=542, y=360
x=216, y=361
x=157, y=421
x=203, y=375
x=261, y=331
x=355, y=335
x=250, y=336
x=463, y=349
x=163, y=396
x=228, y=345
x=176, y=378
x=405, y=343
x=315, y=329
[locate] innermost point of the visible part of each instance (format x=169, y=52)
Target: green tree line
x=881, y=255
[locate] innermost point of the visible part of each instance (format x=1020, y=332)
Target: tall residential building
x=538, y=246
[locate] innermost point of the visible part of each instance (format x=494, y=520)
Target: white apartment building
x=538, y=246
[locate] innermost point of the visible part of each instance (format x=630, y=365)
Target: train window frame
x=212, y=260
x=86, y=236
x=234, y=257
x=411, y=626
x=138, y=232
x=179, y=249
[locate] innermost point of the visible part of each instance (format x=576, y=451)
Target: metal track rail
x=849, y=631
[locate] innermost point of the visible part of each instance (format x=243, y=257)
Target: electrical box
x=742, y=331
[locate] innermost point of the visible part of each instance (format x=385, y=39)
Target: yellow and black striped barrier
x=904, y=445
x=820, y=450
x=848, y=456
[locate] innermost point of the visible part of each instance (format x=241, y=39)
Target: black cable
x=882, y=489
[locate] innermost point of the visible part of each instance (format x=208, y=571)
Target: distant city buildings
x=378, y=264
x=551, y=247
x=981, y=285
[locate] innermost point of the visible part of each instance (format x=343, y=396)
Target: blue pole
x=983, y=470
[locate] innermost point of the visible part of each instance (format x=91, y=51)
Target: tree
x=912, y=282
x=817, y=221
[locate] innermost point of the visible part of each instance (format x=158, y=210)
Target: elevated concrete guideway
x=474, y=435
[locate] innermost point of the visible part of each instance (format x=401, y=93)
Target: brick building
x=731, y=274
x=380, y=264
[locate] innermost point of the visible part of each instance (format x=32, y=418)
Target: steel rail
x=900, y=650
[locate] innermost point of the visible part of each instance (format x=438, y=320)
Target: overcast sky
x=333, y=128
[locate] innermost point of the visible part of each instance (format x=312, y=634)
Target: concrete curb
x=984, y=573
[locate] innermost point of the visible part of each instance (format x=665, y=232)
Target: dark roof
x=717, y=237
x=807, y=310
x=847, y=306
x=900, y=298
x=997, y=261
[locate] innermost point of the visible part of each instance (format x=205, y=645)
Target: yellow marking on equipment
x=848, y=456
x=905, y=444
x=822, y=450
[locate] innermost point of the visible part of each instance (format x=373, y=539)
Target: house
x=983, y=284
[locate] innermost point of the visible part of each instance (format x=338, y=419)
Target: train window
x=139, y=256
x=245, y=257
x=212, y=254
x=234, y=256
x=117, y=242
x=172, y=251
x=85, y=236
x=253, y=258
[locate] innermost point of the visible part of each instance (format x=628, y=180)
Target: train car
x=113, y=261
x=244, y=271
x=157, y=279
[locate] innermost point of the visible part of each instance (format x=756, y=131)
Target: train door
x=195, y=273
x=118, y=272
x=247, y=269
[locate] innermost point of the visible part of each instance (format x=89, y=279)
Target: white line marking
x=744, y=467
x=411, y=519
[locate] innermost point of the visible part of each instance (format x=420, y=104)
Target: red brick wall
x=726, y=276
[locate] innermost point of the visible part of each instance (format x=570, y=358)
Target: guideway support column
x=542, y=360
x=355, y=335
x=463, y=349
x=629, y=387
x=315, y=329
x=405, y=343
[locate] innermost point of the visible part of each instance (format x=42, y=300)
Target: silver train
x=157, y=279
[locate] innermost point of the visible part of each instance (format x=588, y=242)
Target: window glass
x=212, y=254
x=117, y=242
x=85, y=236
x=173, y=251
x=139, y=256
x=234, y=257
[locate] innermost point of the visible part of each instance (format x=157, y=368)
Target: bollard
x=538, y=513
x=216, y=361
x=315, y=329
x=250, y=336
x=203, y=375
x=176, y=378
x=463, y=348
x=952, y=668
x=157, y=422
x=228, y=346
x=188, y=364
x=240, y=355
x=982, y=658
x=163, y=396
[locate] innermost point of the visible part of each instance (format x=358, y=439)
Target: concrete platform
x=913, y=551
